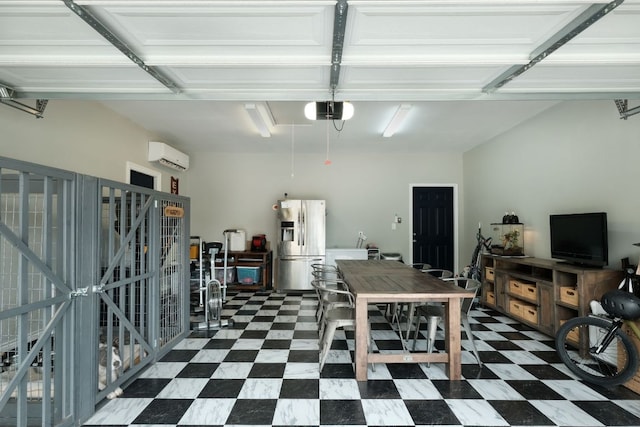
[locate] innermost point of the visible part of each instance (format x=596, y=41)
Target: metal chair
x=394, y=310
x=440, y=273
x=332, y=278
x=325, y=271
x=334, y=317
x=422, y=266
x=434, y=313
x=328, y=300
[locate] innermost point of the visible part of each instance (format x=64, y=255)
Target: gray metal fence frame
x=77, y=290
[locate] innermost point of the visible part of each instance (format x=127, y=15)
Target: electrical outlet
x=393, y=225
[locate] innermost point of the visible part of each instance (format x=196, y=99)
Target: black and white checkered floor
x=264, y=372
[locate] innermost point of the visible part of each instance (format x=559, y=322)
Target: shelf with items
x=542, y=293
x=257, y=266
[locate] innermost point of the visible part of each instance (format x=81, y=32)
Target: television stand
x=543, y=293
x=578, y=265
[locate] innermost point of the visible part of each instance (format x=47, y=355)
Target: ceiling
x=185, y=69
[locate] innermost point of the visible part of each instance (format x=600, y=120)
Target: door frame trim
x=456, y=214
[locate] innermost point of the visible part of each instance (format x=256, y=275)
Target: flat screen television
x=580, y=238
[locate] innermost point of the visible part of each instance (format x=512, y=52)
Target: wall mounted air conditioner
x=168, y=156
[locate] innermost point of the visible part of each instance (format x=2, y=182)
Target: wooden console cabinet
x=542, y=293
x=264, y=260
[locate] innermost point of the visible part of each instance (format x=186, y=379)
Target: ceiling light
x=396, y=120
x=261, y=117
x=328, y=110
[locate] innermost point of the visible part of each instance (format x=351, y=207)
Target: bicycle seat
x=621, y=304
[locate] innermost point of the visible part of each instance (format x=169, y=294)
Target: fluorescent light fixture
x=396, y=120
x=261, y=117
x=328, y=110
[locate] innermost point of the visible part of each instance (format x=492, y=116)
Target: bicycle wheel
x=614, y=365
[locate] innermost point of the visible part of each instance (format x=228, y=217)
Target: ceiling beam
x=339, y=25
x=88, y=17
x=587, y=18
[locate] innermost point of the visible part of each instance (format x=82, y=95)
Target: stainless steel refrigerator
x=301, y=242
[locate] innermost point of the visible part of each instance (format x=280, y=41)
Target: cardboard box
x=515, y=287
x=489, y=274
x=569, y=295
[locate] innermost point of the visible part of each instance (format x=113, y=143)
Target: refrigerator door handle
x=303, y=227
x=299, y=229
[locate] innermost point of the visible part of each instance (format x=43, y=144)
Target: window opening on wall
x=143, y=177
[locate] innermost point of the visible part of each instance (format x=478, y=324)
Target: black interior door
x=433, y=219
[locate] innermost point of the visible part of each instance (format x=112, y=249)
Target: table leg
x=362, y=339
x=453, y=341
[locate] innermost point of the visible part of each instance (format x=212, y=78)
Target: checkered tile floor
x=264, y=371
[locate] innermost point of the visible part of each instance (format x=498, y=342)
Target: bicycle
x=595, y=347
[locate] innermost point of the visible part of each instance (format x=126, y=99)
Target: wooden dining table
x=387, y=281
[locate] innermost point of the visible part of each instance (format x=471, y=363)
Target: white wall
x=575, y=157
x=83, y=137
x=363, y=192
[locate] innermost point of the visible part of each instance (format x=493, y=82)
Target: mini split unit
x=168, y=156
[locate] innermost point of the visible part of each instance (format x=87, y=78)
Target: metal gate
x=93, y=287
x=141, y=304
x=37, y=278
